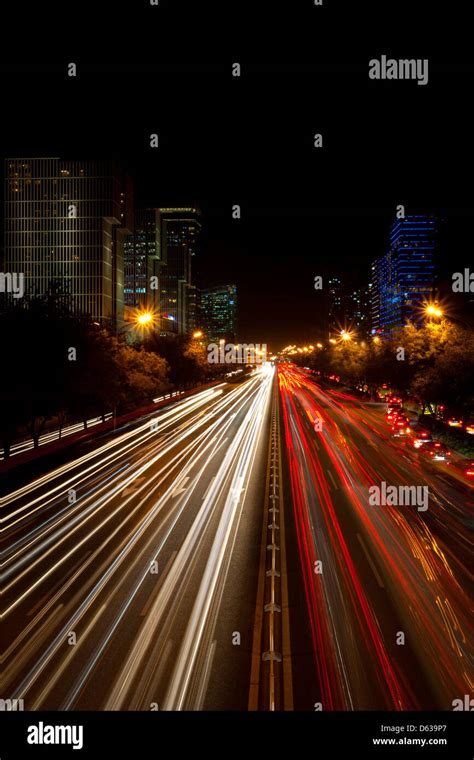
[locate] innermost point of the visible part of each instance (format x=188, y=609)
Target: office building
x=403, y=279
x=348, y=307
x=142, y=263
x=219, y=312
x=65, y=225
x=181, y=228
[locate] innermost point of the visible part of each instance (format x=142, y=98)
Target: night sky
x=249, y=141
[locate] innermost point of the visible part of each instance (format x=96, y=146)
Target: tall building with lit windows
x=219, y=312
x=403, y=279
x=181, y=228
x=358, y=310
x=348, y=306
x=336, y=316
x=142, y=262
x=65, y=226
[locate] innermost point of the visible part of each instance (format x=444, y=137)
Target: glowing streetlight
x=432, y=311
x=346, y=336
x=319, y=345
x=198, y=334
x=376, y=340
x=332, y=340
x=144, y=319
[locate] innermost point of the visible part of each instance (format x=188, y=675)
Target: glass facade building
x=65, y=225
x=219, y=312
x=348, y=307
x=404, y=278
x=181, y=228
x=142, y=262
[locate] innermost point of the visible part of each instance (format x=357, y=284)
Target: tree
x=187, y=362
x=145, y=375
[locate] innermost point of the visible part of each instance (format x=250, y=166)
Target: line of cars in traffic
x=421, y=439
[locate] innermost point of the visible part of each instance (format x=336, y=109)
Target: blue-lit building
x=219, y=312
x=403, y=279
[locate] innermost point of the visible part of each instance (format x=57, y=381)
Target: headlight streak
x=215, y=432
x=180, y=409
x=187, y=654
x=110, y=493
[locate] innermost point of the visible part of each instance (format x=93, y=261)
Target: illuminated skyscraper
x=219, y=312
x=335, y=305
x=65, y=224
x=404, y=278
x=348, y=307
x=142, y=262
x=181, y=228
x=358, y=310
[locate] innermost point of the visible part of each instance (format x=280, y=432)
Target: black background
x=249, y=140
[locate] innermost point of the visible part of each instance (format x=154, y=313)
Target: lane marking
x=179, y=489
x=205, y=677
x=370, y=561
x=160, y=579
x=57, y=586
x=332, y=479
x=133, y=487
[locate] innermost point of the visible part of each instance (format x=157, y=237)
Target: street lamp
x=376, y=340
x=198, y=334
x=345, y=335
x=144, y=319
x=433, y=311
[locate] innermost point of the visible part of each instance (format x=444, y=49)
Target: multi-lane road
x=132, y=572
x=387, y=589
x=128, y=571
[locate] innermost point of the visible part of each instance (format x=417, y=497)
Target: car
x=400, y=426
x=394, y=409
x=437, y=451
x=401, y=420
x=392, y=416
x=455, y=422
x=395, y=406
x=469, y=470
x=394, y=400
x=421, y=438
x=469, y=427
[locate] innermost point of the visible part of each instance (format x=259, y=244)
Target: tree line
x=434, y=364
x=58, y=369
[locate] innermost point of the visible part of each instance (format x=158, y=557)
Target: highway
x=136, y=572
x=386, y=590
x=130, y=569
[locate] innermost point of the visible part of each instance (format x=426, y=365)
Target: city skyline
x=161, y=232
x=237, y=401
